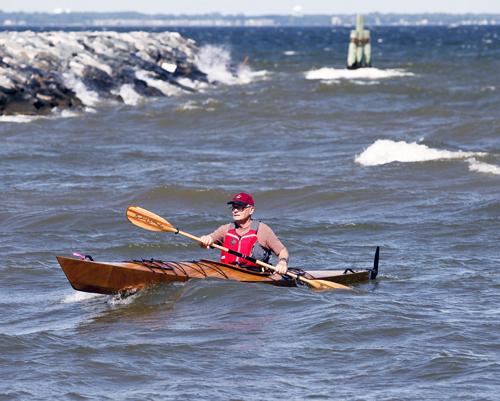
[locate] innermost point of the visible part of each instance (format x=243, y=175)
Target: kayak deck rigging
x=115, y=277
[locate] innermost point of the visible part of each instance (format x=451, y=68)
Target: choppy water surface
x=405, y=156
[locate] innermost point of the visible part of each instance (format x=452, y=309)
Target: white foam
x=481, y=167
x=247, y=75
x=20, y=118
x=26, y=118
x=123, y=299
x=290, y=53
x=189, y=105
x=363, y=83
x=78, y=296
x=361, y=73
x=69, y=114
x=207, y=105
x=384, y=151
x=215, y=61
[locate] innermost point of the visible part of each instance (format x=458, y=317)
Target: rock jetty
x=45, y=71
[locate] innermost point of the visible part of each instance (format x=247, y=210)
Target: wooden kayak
x=111, y=278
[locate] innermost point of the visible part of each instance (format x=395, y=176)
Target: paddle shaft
x=224, y=249
x=150, y=221
x=253, y=260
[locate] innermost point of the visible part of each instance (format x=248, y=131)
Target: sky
x=257, y=7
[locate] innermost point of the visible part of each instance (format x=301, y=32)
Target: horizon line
x=60, y=11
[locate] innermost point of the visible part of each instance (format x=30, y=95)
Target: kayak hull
x=118, y=277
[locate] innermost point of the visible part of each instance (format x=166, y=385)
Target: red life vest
x=243, y=244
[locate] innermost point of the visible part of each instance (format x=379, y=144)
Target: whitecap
x=384, y=151
x=481, y=167
x=361, y=73
x=247, y=75
x=290, y=53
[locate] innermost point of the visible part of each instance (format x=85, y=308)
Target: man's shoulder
x=264, y=227
x=224, y=226
x=221, y=230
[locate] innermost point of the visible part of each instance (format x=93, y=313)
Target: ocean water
x=405, y=155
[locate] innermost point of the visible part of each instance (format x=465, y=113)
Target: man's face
x=241, y=213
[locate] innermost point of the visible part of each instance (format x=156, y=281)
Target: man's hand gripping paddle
x=148, y=220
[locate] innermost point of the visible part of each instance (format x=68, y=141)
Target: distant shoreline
x=135, y=19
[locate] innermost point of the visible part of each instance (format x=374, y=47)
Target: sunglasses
x=239, y=208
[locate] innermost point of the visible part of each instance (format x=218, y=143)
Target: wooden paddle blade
x=323, y=285
x=329, y=285
x=314, y=283
x=148, y=220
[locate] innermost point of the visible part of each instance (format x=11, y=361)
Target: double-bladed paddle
x=148, y=220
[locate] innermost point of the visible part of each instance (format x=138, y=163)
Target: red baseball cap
x=242, y=199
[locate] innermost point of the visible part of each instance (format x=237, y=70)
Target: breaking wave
x=480, y=167
x=329, y=74
x=384, y=151
x=215, y=61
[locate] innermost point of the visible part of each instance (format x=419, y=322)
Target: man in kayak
x=247, y=236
